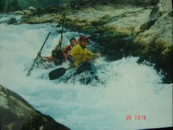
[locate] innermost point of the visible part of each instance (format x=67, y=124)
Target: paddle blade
x=55, y=74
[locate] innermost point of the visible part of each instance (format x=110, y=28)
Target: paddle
x=32, y=67
x=57, y=73
x=62, y=29
x=58, y=54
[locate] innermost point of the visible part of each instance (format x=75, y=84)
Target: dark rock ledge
x=17, y=114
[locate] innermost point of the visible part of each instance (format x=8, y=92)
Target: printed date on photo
x=136, y=117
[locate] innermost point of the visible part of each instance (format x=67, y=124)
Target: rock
x=156, y=44
x=18, y=12
x=27, y=12
x=165, y=6
x=33, y=9
x=17, y=114
x=160, y=32
x=12, y=21
x=162, y=7
x=117, y=18
x=145, y=2
x=154, y=15
x=23, y=12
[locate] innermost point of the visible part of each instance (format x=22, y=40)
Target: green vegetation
x=12, y=5
x=8, y=5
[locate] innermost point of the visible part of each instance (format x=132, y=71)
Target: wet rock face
x=155, y=44
x=17, y=114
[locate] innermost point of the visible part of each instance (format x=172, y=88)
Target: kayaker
x=59, y=56
x=66, y=49
x=81, y=57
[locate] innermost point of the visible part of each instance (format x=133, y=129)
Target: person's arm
x=66, y=48
x=71, y=60
x=97, y=55
x=92, y=56
x=89, y=55
x=45, y=58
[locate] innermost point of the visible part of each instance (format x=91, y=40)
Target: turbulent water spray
x=131, y=95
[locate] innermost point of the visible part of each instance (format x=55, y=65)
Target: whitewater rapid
x=130, y=89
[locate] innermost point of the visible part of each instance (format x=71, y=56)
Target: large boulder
x=155, y=44
x=17, y=114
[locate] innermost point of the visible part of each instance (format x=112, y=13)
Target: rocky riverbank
x=122, y=29
x=17, y=114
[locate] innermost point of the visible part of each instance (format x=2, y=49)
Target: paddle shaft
x=32, y=67
x=62, y=29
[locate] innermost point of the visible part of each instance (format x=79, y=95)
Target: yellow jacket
x=80, y=55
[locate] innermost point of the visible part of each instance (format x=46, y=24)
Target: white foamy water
x=129, y=89
x=6, y=17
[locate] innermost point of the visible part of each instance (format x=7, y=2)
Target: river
x=132, y=95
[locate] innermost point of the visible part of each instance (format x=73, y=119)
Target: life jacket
x=80, y=55
x=58, y=57
x=66, y=50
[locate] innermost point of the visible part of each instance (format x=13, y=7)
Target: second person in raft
x=59, y=56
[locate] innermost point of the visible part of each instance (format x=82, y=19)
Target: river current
x=132, y=95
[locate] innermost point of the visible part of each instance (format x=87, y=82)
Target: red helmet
x=83, y=38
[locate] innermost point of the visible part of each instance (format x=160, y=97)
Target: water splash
x=128, y=88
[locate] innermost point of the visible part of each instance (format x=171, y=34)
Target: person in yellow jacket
x=80, y=56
